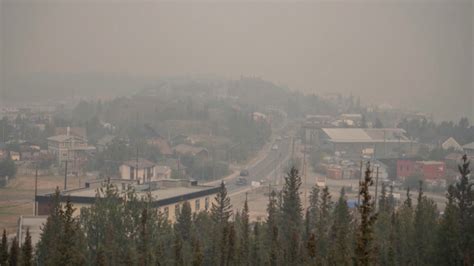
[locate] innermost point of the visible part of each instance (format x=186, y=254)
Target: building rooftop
x=163, y=192
x=63, y=138
x=469, y=146
x=341, y=135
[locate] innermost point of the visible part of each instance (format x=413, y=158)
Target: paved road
x=264, y=169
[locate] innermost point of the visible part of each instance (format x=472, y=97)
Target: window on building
x=132, y=173
x=197, y=204
x=166, y=211
x=206, y=203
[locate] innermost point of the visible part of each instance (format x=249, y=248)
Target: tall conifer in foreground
x=364, y=253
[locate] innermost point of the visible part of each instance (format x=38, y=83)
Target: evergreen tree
x=230, y=252
x=183, y=224
x=448, y=241
x=255, y=254
x=341, y=236
x=291, y=212
x=364, y=246
x=425, y=229
x=178, y=255
x=197, y=254
x=47, y=251
x=221, y=211
x=323, y=225
x=14, y=253
x=4, y=249
x=311, y=247
x=245, y=234
x=313, y=207
x=27, y=250
x=405, y=229
x=382, y=227
x=464, y=194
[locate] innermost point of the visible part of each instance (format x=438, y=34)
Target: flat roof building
x=167, y=195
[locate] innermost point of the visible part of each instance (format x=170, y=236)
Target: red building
x=430, y=170
x=405, y=168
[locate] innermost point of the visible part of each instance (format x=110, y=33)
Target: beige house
x=68, y=147
x=163, y=172
x=167, y=195
x=141, y=170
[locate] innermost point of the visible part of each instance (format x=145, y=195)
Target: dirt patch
x=18, y=196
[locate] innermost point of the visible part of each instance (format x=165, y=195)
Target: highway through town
x=268, y=169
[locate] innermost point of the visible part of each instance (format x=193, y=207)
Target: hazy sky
x=406, y=53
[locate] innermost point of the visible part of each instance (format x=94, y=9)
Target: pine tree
x=274, y=253
x=313, y=207
x=245, y=234
x=340, y=252
x=323, y=225
x=178, y=247
x=47, y=251
x=405, y=229
x=464, y=194
x=255, y=255
x=311, y=247
x=197, y=254
x=382, y=227
x=184, y=222
x=230, y=253
x=14, y=253
x=425, y=229
x=364, y=246
x=221, y=211
x=27, y=250
x=4, y=249
x=448, y=240
x=291, y=215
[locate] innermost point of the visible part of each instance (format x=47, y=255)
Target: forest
x=125, y=230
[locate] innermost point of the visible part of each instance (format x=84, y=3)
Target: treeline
x=130, y=232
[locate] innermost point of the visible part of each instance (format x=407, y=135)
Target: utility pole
x=376, y=186
x=136, y=166
x=36, y=186
x=360, y=178
x=304, y=174
x=65, y=175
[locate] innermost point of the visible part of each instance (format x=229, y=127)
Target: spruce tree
x=323, y=225
x=4, y=249
x=183, y=224
x=425, y=223
x=27, y=250
x=178, y=251
x=364, y=254
x=197, y=254
x=449, y=233
x=245, y=234
x=221, y=211
x=405, y=229
x=340, y=252
x=464, y=194
x=255, y=253
x=291, y=215
x=313, y=207
x=14, y=253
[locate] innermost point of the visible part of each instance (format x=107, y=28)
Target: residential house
x=15, y=156
x=69, y=147
x=451, y=144
x=469, y=148
x=141, y=170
